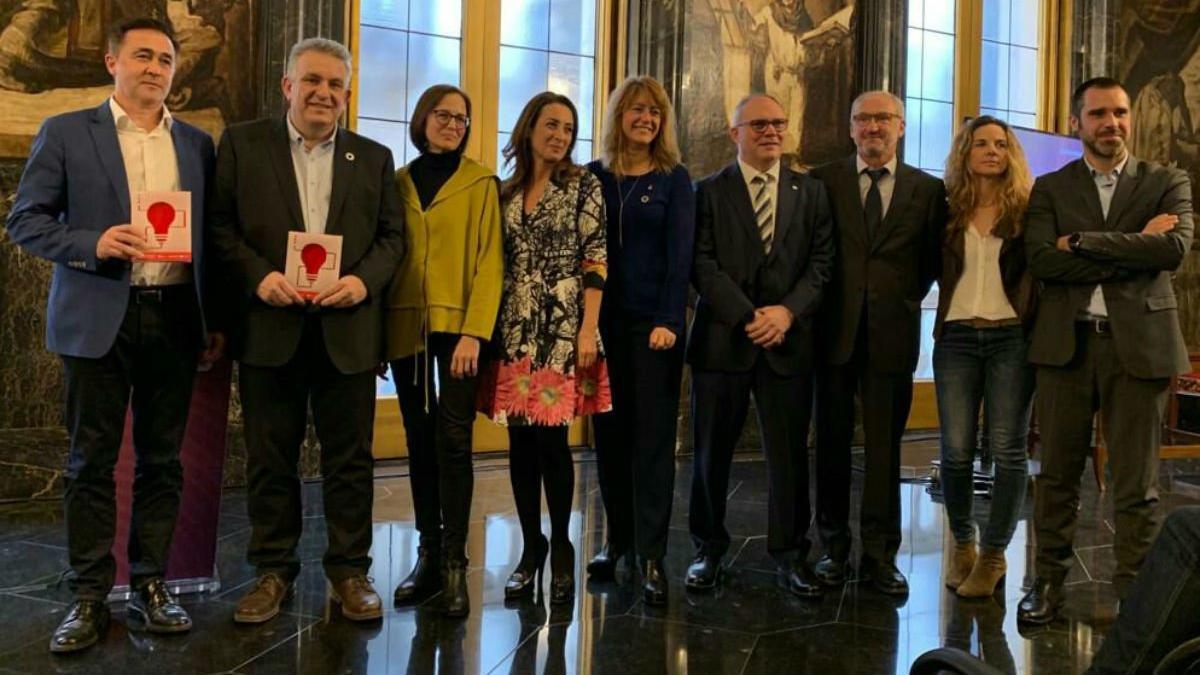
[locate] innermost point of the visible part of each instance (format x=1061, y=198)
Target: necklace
x=621, y=208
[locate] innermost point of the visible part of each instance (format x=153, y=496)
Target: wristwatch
x=1074, y=240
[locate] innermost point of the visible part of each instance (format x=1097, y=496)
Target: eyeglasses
x=882, y=119
x=445, y=117
x=760, y=126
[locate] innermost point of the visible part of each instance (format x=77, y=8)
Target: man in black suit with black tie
x=301, y=172
x=889, y=218
x=764, y=251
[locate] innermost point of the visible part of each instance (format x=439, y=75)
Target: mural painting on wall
x=799, y=51
x=52, y=60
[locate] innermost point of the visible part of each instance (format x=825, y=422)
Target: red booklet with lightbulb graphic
x=164, y=219
x=313, y=262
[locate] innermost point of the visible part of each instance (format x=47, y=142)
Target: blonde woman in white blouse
x=986, y=299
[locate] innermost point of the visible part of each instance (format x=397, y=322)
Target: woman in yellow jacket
x=441, y=308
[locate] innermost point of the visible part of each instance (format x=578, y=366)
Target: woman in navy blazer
x=650, y=208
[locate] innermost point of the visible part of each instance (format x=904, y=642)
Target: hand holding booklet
x=313, y=262
x=164, y=219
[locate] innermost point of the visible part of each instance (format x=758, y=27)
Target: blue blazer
x=73, y=189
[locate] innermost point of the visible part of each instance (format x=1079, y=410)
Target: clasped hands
x=769, y=326
x=277, y=291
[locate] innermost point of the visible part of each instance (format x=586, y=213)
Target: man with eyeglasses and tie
x=889, y=218
x=764, y=253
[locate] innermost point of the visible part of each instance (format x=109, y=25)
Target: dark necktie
x=873, y=207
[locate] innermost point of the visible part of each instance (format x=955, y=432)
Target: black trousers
x=275, y=403
x=720, y=402
x=886, y=400
x=149, y=367
x=438, y=423
x=635, y=443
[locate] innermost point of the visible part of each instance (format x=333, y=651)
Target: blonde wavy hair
x=664, y=149
x=961, y=184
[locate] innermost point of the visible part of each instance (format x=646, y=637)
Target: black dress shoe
x=654, y=583
x=603, y=567
x=1041, y=604
x=84, y=625
x=455, y=602
x=152, y=606
x=884, y=576
x=424, y=580
x=831, y=571
x=703, y=573
x=799, y=580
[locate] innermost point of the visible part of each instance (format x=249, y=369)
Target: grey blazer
x=1133, y=269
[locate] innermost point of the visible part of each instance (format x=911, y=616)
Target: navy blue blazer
x=73, y=189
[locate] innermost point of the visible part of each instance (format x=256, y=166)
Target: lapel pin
x=794, y=187
x=645, y=199
x=349, y=156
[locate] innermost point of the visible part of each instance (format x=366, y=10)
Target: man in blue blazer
x=129, y=332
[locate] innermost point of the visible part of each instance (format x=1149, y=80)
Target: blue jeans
x=1159, y=612
x=971, y=365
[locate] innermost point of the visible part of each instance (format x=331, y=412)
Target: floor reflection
x=746, y=625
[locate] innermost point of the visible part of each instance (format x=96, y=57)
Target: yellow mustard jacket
x=453, y=273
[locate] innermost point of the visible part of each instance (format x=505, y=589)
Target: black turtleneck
x=430, y=172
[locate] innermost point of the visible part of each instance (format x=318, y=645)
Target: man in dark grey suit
x=1103, y=234
x=763, y=254
x=889, y=217
x=301, y=172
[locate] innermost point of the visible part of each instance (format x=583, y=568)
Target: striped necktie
x=764, y=209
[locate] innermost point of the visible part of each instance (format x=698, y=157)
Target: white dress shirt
x=749, y=173
x=980, y=290
x=886, y=182
x=314, y=177
x=150, y=166
x=1106, y=185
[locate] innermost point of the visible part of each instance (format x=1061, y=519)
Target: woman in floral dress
x=550, y=365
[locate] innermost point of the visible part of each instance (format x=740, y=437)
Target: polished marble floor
x=746, y=626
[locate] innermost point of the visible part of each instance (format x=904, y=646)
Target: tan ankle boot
x=961, y=564
x=988, y=571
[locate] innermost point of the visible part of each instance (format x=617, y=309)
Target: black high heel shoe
x=603, y=567
x=562, y=574
x=528, y=574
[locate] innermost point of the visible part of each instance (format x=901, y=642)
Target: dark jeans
x=438, y=423
x=275, y=404
x=154, y=359
x=1159, y=613
x=970, y=366
x=720, y=402
x=635, y=443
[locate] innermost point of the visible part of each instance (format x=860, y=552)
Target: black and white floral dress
x=550, y=256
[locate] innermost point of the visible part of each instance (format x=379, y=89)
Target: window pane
x=525, y=23
x=937, y=121
x=993, y=80
x=916, y=14
x=432, y=60
x=391, y=13
x=1022, y=93
x=573, y=77
x=522, y=76
x=440, y=17
x=583, y=152
x=392, y=134
x=996, y=20
x=937, y=73
x=912, y=75
x=912, y=131
x=382, y=67
x=1023, y=120
x=1025, y=22
x=939, y=15
x=573, y=26
x=992, y=112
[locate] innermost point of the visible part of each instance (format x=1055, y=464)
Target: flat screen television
x=1047, y=152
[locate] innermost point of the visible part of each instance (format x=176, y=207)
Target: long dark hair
x=519, y=153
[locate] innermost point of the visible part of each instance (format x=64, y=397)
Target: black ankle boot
x=528, y=575
x=562, y=573
x=424, y=580
x=454, y=588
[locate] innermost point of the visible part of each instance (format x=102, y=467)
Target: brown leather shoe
x=263, y=601
x=357, y=597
